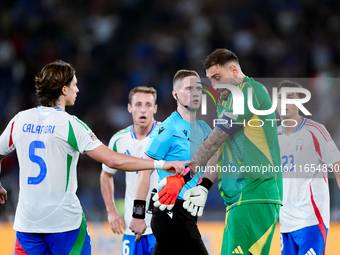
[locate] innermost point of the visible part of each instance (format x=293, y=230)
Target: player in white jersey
x=132, y=141
x=307, y=154
x=49, y=217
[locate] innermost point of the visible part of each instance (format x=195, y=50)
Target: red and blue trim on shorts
x=72, y=242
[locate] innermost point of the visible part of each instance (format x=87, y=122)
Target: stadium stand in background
x=118, y=45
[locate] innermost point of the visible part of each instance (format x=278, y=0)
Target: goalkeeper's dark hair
x=142, y=89
x=50, y=81
x=291, y=84
x=219, y=57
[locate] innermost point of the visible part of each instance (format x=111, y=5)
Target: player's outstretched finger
x=164, y=202
x=156, y=204
x=121, y=229
x=194, y=212
x=185, y=163
x=200, y=212
x=169, y=207
x=155, y=197
x=138, y=237
x=180, y=170
x=186, y=204
x=162, y=207
x=190, y=208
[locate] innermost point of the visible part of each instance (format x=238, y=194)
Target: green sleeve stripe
x=72, y=138
x=69, y=161
x=118, y=136
x=82, y=123
x=123, y=131
x=79, y=243
x=115, y=145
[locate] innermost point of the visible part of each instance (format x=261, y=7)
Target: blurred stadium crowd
x=121, y=44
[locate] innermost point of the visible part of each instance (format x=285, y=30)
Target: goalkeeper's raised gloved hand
x=195, y=198
x=170, y=187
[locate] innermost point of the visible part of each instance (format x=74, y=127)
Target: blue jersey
x=177, y=139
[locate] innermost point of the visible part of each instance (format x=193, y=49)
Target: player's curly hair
x=219, y=57
x=50, y=81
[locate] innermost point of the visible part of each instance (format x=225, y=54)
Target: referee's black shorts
x=176, y=232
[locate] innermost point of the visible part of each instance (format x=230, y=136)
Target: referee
x=177, y=137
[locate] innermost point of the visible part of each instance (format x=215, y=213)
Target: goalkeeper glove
x=170, y=187
x=195, y=198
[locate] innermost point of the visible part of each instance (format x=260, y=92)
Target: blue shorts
x=75, y=242
x=144, y=247
x=309, y=240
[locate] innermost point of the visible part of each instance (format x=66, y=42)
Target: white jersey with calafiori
x=47, y=142
x=125, y=141
x=305, y=156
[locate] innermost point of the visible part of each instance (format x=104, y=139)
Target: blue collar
x=57, y=108
x=298, y=128
x=152, y=128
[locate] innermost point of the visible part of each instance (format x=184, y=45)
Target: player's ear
x=155, y=109
x=129, y=108
x=234, y=70
x=64, y=90
x=174, y=94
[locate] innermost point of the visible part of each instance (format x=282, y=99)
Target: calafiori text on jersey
x=30, y=128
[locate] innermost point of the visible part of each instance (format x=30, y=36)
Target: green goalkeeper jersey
x=249, y=163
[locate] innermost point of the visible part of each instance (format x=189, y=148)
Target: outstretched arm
x=128, y=163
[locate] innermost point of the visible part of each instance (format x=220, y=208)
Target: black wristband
x=188, y=175
x=138, y=210
x=206, y=183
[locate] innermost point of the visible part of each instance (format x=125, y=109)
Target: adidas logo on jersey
x=310, y=252
x=238, y=250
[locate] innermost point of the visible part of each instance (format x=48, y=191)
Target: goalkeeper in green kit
x=252, y=199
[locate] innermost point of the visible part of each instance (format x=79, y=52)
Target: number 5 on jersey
x=38, y=160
